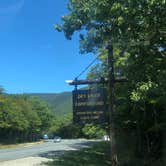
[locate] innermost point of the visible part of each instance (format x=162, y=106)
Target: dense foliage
x=137, y=31
x=93, y=131
x=23, y=118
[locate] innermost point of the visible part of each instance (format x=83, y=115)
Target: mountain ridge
x=61, y=103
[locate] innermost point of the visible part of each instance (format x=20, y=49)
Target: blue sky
x=33, y=56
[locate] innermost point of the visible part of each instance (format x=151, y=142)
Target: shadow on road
x=79, y=154
x=72, y=148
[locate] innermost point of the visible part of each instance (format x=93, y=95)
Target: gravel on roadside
x=29, y=161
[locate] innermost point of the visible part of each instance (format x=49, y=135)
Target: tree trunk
x=112, y=105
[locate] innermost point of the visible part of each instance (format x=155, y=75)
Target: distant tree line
x=23, y=118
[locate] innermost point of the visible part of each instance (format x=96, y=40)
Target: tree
x=2, y=90
x=93, y=131
x=42, y=109
x=137, y=30
x=23, y=118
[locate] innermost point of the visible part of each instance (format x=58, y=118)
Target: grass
x=6, y=146
x=96, y=155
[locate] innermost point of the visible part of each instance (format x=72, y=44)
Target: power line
x=83, y=71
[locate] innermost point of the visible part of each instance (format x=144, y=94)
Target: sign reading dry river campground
x=89, y=106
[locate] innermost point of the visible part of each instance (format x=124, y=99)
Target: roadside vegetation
x=8, y=146
x=23, y=118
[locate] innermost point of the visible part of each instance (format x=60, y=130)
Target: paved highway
x=44, y=149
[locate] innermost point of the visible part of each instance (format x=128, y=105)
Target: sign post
x=111, y=107
x=88, y=109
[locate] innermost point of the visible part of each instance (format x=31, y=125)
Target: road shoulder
x=29, y=161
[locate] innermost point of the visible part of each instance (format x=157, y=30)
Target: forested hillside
x=61, y=103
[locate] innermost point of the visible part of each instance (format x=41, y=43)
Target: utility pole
x=111, y=83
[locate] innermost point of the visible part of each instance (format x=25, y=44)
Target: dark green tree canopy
x=126, y=23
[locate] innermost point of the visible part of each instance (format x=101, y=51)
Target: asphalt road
x=44, y=150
